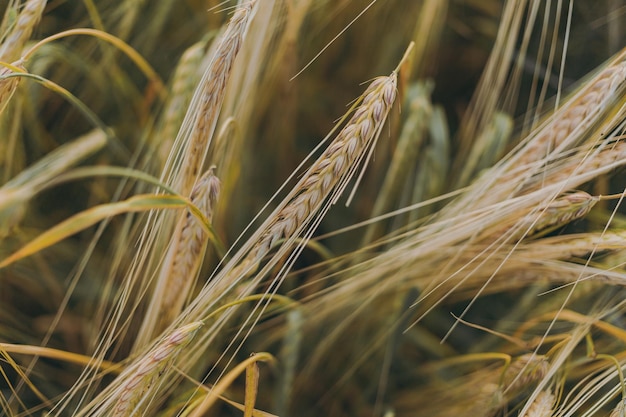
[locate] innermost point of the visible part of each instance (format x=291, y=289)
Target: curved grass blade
x=93, y=215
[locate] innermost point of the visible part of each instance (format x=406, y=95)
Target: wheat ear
x=523, y=371
x=207, y=101
x=574, y=245
x=11, y=48
x=413, y=133
x=574, y=117
x=132, y=398
x=554, y=214
x=320, y=186
x=584, y=162
x=182, y=262
x=334, y=168
x=563, y=210
x=541, y=406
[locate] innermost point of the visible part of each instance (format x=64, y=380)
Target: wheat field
x=301, y=208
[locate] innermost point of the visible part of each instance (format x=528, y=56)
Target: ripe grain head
x=133, y=392
x=329, y=175
x=542, y=405
x=567, y=126
x=182, y=262
x=11, y=47
x=197, y=130
x=300, y=212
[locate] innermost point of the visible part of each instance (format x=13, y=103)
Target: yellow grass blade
x=140, y=61
x=93, y=215
x=226, y=381
x=61, y=355
x=252, y=388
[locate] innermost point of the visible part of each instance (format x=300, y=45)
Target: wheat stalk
x=320, y=186
x=12, y=46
